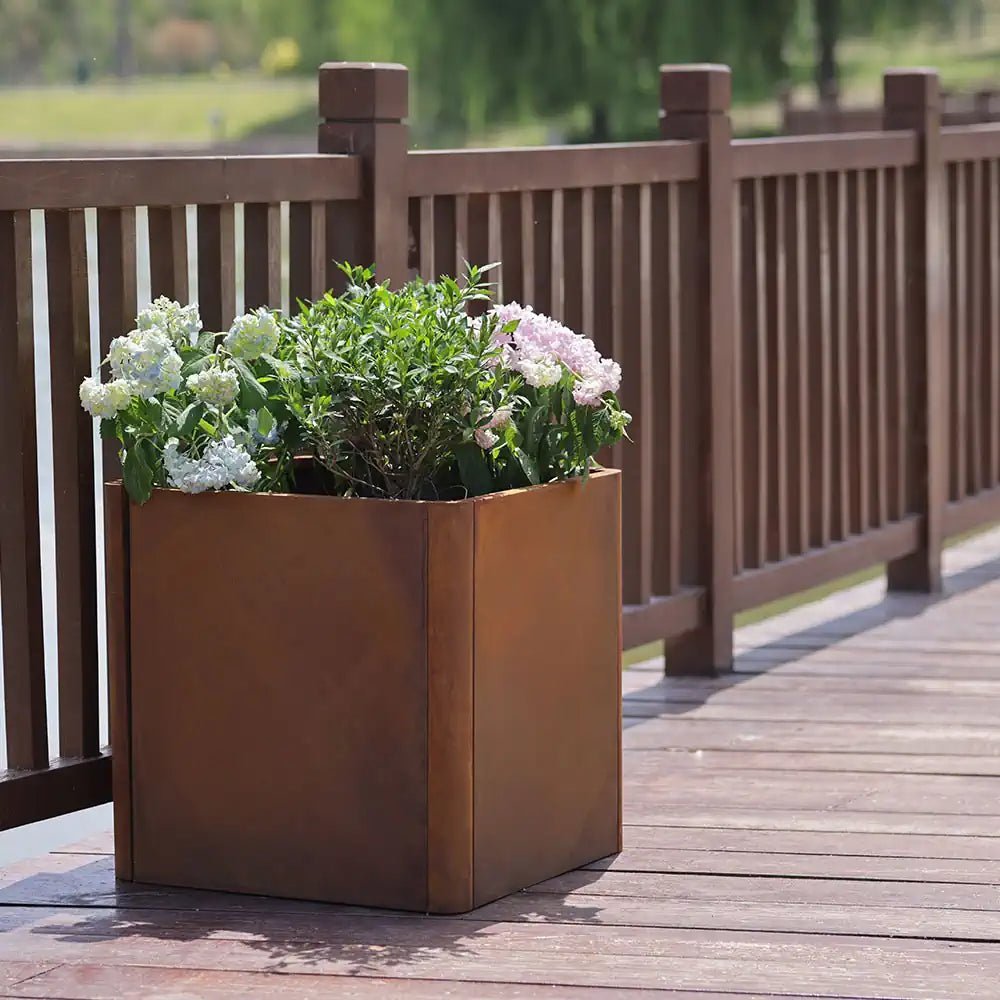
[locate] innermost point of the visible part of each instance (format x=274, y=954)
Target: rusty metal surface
x=279, y=696
x=547, y=682
x=363, y=701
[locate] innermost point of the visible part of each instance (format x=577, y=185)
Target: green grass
x=173, y=110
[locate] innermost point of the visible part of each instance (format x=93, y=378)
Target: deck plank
x=824, y=822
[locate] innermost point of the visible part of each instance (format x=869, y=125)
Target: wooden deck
x=825, y=823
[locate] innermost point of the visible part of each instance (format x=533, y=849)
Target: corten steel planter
x=391, y=703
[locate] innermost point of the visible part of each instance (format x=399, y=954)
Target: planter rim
x=571, y=482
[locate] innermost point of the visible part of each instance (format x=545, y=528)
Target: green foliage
x=385, y=382
x=401, y=395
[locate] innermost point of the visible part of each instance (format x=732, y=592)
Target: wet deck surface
x=825, y=822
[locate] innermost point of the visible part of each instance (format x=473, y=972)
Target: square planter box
x=391, y=703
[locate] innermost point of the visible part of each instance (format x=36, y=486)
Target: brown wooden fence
x=809, y=328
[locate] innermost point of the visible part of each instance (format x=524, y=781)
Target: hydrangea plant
x=397, y=394
x=193, y=409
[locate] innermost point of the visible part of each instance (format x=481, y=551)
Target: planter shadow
x=271, y=935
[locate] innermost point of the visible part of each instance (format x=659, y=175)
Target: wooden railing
x=809, y=329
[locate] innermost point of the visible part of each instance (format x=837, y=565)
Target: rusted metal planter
x=390, y=703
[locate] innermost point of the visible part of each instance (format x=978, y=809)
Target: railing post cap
x=697, y=87
x=911, y=88
x=362, y=91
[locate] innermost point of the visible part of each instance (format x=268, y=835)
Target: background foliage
x=475, y=62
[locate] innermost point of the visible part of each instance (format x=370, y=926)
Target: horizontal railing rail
x=482, y=171
x=815, y=153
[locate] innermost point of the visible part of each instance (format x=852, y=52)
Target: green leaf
x=528, y=466
x=253, y=395
x=265, y=422
x=109, y=429
x=137, y=475
x=473, y=469
x=154, y=412
x=189, y=420
x=196, y=364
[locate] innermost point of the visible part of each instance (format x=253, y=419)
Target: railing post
x=694, y=104
x=913, y=101
x=362, y=109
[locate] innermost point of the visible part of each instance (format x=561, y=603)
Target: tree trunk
x=827, y=17
x=124, y=63
x=600, y=124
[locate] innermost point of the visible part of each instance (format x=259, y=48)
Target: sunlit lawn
x=180, y=109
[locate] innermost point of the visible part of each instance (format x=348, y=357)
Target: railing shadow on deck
x=682, y=695
x=270, y=935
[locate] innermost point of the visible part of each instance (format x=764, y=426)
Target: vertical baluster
x=749, y=401
x=478, y=237
x=168, y=258
x=461, y=232
x=646, y=439
x=861, y=349
x=778, y=367
x=632, y=340
x=542, y=240
x=557, y=257
x=572, y=259
x=512, y=244
x=825, y=354
x=262, y=256
x=602, y=289
x=878, y=236
x=674, y=372
x=412, y=235
x=665, y=305
x=306, y=251
x=587, y=270
x=20, y=556
x=210, y=265
x=73, y=482
x=445, y=227
x=760, y=352
x=842, y=405
x=428, y=266
x=800, y=345
x=741, y=262
x=993, y=255
x=974, y=440
x=116, y=289
x=528, y=246
x=960, y=334
x=495, y=254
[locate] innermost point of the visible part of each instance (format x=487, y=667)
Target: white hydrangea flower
x=181, y=324
x=223, y=463
x=252, y=335
x=540, y=372
x=271, y=437
x=106, y=399
x=215, y=386
x=146, y=359
x=486, y=438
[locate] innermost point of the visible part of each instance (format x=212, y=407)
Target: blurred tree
x=474, y=62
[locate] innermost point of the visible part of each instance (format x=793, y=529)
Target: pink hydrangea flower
x=540, y=347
